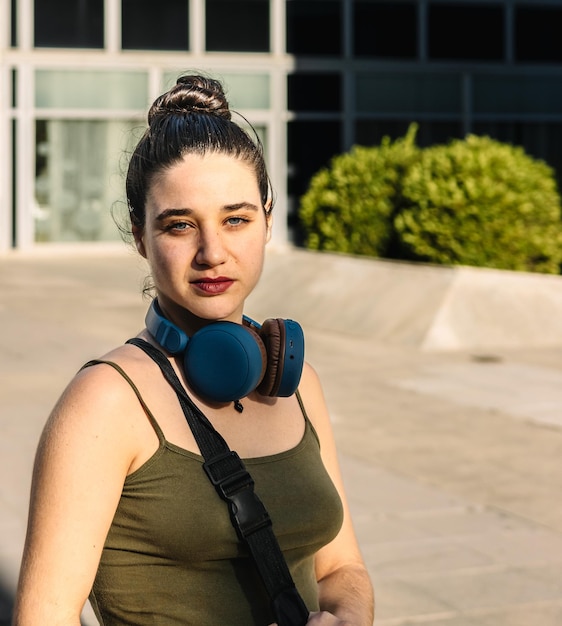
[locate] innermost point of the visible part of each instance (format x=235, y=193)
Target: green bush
x=349, y=206
x=471, y=202
x=480, y=202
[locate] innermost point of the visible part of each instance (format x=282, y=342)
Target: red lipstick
x=213, y=286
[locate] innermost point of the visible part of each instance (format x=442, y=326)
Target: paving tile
x=396, y=599
x=452, y=466
x=469, y=522
x=520, y=547
x=389, y=493
x=531, y=615
x=428, y=620
x=524, y=391
x=490, y=589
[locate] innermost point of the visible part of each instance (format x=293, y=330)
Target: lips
x=213, y=286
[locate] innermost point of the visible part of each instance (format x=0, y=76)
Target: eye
x=177, y=226
x=237, y=221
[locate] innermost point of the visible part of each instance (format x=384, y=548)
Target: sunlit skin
x=204, y=220
x=204, y=238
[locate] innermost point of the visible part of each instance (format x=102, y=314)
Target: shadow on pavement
x=6, y=606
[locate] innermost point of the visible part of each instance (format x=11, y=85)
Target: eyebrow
x=227, y=208
x=164, y=215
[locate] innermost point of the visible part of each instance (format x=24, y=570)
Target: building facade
x=314, y=77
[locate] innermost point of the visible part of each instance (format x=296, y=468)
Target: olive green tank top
x=171, y=555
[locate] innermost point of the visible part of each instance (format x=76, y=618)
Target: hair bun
x=192, y=94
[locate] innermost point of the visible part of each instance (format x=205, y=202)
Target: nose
x=211, y=250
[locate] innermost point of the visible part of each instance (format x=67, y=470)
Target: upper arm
x=81, y=463
x=344, y=549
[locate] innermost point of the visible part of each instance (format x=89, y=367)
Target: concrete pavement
x=452, y=460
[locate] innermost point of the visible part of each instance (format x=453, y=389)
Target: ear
x=138, y=234
x=268, y=220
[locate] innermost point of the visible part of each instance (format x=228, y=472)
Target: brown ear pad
x=272, y=334
x=262, y=348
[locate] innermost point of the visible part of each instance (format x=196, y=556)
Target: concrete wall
x=429, y=307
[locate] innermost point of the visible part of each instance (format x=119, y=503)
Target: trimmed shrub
x=349, y=206
x=474, y=201
x=480, y=202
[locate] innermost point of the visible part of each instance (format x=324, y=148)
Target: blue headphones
x=225, y=361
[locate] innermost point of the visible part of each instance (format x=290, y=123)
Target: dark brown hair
x=193, y=117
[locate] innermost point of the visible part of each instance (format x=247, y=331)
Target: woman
x=121, y=510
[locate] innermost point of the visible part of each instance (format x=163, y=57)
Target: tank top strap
x=148, y=412
x=306, y=418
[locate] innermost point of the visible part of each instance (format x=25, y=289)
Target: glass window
x=145, y=26
x=79, y=179
x=14, y=24
x=314, y=92
x=310, y=146
x=314, y=27
x=67, y=89
x=247, y=91
x=385, y=29
x=517, y=94
x=466, y=31
x=257, y=132
x=13, y=138
x=537, y=34
x=169, y=79
x=371, y=132
x=243, y=90
x=14, y=98
x=237, y=25
x=69, y=23
x=409, y=93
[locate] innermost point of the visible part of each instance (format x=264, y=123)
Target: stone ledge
x=430, y=307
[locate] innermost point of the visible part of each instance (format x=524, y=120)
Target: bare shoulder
x=102, y=382
x=99, y=403
x=96, y=435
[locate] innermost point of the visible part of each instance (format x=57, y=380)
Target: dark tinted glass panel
x=534, y=93
x=237, y=25
x=14, y=99
x=13, y=138
x=314, y=27
x=466, y=32
x=310, y=147
x=146, y=27
x=13, y=24
x=69, y=23
x=408, y=93
x=314, y=92
x=385, y=29
x=371, y=132
x=538, y=34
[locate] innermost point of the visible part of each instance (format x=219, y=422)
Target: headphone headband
x=166, y=333
x=225, y=361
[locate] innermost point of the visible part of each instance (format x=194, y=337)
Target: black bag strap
x=235, y=486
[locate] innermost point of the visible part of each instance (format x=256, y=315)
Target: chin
x=219, y=315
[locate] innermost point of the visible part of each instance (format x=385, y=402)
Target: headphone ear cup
x=272, y=332
x=224, y=361
x=284, y=342
x=261, y=347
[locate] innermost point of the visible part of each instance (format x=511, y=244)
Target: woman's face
x=204, y=238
